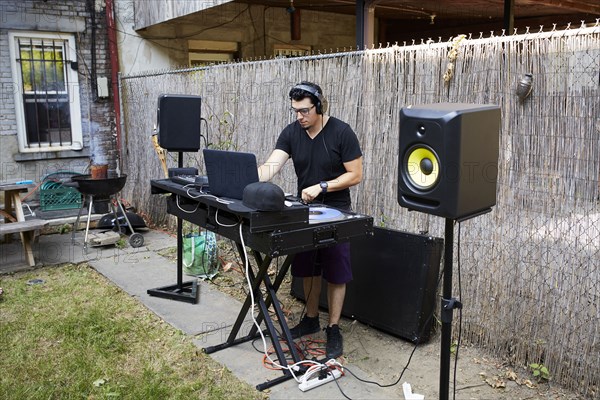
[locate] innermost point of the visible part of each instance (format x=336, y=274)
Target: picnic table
x=14, y=217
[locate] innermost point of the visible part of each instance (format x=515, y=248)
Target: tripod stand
x=446, y=311
x=449, y=303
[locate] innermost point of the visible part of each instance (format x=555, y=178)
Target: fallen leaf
x=529, y=384
x=99, y=382
x=496, y=383
x=510, y=374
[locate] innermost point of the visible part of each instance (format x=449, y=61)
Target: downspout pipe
x=114, y=73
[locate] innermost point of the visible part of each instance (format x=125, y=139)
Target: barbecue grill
x=103, y=187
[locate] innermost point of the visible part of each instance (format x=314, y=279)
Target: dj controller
x=299, y=227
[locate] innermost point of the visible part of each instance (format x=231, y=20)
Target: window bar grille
x=50, y=94
x=34, y=90
x=20, y=60
x=45, y=88
x=56, y=87
x=64, y=64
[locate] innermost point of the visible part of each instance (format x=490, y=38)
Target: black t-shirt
x=321, y=158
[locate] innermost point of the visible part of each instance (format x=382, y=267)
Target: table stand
x=15, y=217
x=262, y=277
x=181, y=291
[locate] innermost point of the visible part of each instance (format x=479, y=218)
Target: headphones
x=321, y=104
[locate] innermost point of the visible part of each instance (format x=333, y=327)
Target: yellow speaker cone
x=422, y=167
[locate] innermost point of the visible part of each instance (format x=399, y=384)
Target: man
x=328, y=161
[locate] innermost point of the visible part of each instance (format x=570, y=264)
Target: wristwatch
x=324, y=185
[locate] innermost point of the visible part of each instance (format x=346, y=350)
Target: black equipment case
x=396, y=275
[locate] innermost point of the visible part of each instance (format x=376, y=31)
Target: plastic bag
x=200, y=255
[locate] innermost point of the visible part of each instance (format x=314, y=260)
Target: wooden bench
x=27, y=230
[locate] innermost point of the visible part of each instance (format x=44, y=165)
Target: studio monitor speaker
x=448, y=159
x=178, y=120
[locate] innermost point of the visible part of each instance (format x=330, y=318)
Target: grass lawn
x=75, y=335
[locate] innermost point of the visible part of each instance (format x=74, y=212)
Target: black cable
x=339, y=387
x=217, y=284
x=254, y=345
x=92, y=9
x=322, y=133
x=459, y=313
x=411, y=354
x=256, y=30
x=206, y=142
x=401, y=373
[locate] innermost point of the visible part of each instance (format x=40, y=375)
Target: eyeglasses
x=303, y=111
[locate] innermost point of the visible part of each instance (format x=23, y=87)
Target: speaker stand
x=447, y=308
x=182, y=291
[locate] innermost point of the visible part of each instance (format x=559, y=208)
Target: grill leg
x=115, y=214
x=76, y=225
x=87, y=226
x=124, y=216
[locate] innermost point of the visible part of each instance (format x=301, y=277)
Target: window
x=47, y=106
x=292, y=50
x=204, y=59
x=207, y=52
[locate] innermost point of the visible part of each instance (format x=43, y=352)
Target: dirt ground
x=383, y=357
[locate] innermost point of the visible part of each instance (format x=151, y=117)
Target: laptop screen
x=229, y=172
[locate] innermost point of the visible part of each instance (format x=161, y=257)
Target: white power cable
x=316, y=367
x=193, y=196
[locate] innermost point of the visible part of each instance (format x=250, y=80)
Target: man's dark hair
x=311, y=90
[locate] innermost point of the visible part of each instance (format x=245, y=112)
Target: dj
x=328, y=161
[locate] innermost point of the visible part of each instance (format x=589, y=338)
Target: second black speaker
x=178, y=120
x=448, y=158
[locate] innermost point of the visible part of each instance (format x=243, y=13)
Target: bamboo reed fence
x=528, y=272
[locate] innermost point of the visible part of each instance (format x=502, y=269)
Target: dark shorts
x=331, y=262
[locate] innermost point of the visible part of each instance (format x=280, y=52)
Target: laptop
x=229, y=172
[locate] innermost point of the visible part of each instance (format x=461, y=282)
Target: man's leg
x=337, y=274
x=310, y=322
x=335, y=300
x=335, y=342
x=312, y=292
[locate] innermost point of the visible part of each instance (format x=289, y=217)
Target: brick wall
x=97, y=114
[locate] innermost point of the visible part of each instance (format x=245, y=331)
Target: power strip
x=318, y=381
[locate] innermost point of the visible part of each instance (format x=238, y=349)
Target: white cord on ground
x=317, y=366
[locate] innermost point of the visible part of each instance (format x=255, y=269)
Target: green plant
x=64, y=228
x=121, y=243
x=540, y=372
x=226, y=130
x=382, y=221
x=454, y=347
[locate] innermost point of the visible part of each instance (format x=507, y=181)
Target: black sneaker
x=306, y=326
x=335, y=342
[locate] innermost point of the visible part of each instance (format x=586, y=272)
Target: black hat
x=260, y=196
